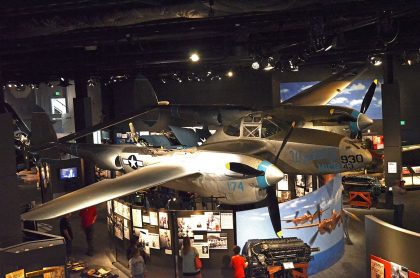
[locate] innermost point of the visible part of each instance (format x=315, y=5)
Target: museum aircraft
x=307, y=109
x=240, y=164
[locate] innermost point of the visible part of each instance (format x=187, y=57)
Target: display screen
x=68, y=173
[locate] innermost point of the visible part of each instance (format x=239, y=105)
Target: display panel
x=217, y=240
x=256, y=224
x=68, y=173
x=154, y=241
x=163, y=220
x=137, y=217
x=165, y=239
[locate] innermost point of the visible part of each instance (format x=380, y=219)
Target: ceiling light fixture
x=229, y=74
x=194, y=57
x=270, y=64
x=255, y=65
x=376, y=61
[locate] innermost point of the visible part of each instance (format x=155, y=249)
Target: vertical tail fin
x=42, y=133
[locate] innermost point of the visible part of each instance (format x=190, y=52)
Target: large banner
x=316, y=218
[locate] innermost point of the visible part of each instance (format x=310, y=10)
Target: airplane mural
x=351, y=96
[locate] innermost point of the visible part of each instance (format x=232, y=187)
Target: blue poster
x=324, y=204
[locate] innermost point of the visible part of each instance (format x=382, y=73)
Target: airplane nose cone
x=363, y=122
x=273, y=175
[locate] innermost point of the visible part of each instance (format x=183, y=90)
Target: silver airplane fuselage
x=213, y=178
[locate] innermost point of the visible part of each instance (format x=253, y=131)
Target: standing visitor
x=137, y=265
x=398, y=193
x=189, y=255
x=66, y=232
x=238, y=263
x=88, y=216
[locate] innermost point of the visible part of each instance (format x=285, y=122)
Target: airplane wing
x=302, y=226
x=105, y=190
x=323, y=92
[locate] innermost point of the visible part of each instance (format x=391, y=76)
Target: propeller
x=244, y=169
x=273, y=206
x=368, y=97
x=366, y=103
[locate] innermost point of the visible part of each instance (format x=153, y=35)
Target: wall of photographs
x=161, y=232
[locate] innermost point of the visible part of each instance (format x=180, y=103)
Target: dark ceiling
x=43, y=40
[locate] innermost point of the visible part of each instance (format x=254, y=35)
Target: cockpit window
x=232, y=130
x=269, y=128
x=254, y=125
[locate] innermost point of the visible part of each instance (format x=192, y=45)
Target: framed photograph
x=144, y=240
x=398, y=271
x=217, y=240
x=203, y=249
x=154, y=241
x=153, y=216
x=137, y=217
x=199, y=222
x=185, y=227
x=165, y=239
x=213, y=221
x=163, y=220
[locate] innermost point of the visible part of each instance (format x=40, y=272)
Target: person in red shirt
x=88, y=217
x=238, y=263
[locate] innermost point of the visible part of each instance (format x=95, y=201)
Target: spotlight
x=270, y=64
x=293, y=65
x=9, y=85
x=194, y=57
x=376, y=61
x=50, y=85
x=91, y=83
x=255, y=65
x=63, y=82
x=229, y=74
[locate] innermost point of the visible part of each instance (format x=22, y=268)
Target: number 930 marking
x=349, y=160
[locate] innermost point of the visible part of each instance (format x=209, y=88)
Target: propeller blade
x=283, y=144
x=312, y=240
x=244, y=169
x=368, y=97
x=273, y=210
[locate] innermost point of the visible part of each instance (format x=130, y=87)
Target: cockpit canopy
x=255, y=125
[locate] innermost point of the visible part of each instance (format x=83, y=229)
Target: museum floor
x=352, y=264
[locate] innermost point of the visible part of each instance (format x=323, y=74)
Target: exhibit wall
x=160, y=234
x=389, y=245
x=331, y=244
